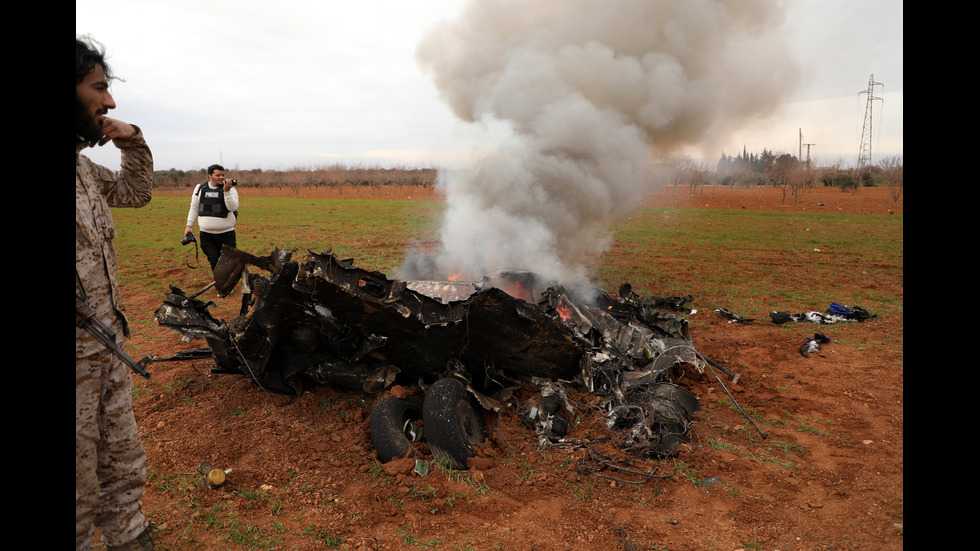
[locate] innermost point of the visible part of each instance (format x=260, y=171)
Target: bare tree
x=802, y=180
x=736, y=173
x=893, y=173
x=680, y=166
x=675, y=171
x=780, y=172
x=697, y=175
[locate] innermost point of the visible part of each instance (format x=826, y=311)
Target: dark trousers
x=211, y=245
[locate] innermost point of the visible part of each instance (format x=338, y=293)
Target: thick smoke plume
x=582, y=97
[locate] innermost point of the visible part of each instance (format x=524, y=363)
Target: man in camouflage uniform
x=110, y=463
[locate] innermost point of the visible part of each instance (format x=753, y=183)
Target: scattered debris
x=547, y=419
x=812, y=346
x=851, y=312
x=677, y=304
x=835, y=313
x=733, y=318
x=594, y=463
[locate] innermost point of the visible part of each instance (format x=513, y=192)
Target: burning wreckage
x=468, y=344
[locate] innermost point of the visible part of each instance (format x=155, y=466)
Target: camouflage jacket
x=96, y=189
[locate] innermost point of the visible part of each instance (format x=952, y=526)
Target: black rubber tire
x=452, y=424
x=389, y=417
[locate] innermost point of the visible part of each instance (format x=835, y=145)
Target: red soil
x=830, y=475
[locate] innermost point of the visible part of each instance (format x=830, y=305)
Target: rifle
x=85, y=318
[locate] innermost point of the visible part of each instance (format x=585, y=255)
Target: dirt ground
x=829, y=473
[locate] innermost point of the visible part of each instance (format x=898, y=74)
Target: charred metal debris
x=326, y=321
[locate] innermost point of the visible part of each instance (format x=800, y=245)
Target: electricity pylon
x=864, y=154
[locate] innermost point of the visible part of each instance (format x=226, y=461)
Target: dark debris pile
x=326, y=321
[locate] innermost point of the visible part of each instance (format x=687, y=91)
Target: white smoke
x=589, y=93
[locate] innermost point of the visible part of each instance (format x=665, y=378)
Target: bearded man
x=110, y=463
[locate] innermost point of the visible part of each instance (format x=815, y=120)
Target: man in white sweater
x=214, y=205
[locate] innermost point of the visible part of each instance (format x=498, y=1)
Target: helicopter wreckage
x=469, y=345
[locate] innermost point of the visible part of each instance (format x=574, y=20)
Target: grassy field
x=374, y=233
x=759, y=260
x=737, y=259
x=829, y=474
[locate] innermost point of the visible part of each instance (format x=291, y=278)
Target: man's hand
x=115, y=129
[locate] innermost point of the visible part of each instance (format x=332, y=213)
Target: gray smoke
x=582, y=97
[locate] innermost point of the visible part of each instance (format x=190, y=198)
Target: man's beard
x=87, y=128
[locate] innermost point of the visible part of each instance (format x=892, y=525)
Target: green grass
x=373, y=232
x=724, y=258
x=738, y=259
x=747, y=261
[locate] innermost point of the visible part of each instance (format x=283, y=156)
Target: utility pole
x=800, y=155
x=864, y=154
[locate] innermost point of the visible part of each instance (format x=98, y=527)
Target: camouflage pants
x=110, y=464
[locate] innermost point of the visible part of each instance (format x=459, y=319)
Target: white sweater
x=214, y=224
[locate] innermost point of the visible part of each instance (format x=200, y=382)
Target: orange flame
x=458, y=276
x=517, y=290
x=563, y=312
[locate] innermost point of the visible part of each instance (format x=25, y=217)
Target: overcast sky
x=306, y=83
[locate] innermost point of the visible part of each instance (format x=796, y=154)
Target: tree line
x=333, y=176
x=794, y=176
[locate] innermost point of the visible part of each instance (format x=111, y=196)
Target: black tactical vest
x=211, y=202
